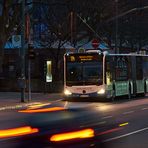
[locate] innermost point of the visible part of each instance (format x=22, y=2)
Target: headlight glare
x=67, y=92
x=101, y=91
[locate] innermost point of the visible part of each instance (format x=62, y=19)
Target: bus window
x=84, y=73
x=121, y=68
x=145, y=67
x=74, y=72
x=93, y=73
x=139, y=71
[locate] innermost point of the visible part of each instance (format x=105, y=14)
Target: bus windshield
x=84, y=73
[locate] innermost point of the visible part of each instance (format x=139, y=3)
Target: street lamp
x=22, y=78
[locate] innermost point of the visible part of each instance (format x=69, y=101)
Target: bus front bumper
x=91, y=95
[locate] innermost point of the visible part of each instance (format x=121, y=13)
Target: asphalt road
x=122, y=123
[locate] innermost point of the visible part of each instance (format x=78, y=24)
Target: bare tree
x=9, y=21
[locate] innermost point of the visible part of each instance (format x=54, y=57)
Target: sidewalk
x=12, y=100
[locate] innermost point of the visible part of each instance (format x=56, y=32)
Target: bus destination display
x=83, y=58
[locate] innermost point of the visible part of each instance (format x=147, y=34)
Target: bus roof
x=129, y=54
x=107, y=53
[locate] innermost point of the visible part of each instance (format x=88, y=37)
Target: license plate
x=84, y=96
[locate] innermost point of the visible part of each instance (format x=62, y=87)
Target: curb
x=18, y=106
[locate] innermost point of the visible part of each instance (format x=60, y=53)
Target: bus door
x=139, y=74
x=133, y=74
x=145, y=72
x=109, y=70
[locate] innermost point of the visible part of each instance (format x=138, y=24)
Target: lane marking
x=93, y=124
x=123, y=124
x=57, y=100
x=66, y=104
x=129, y=112
x=125, y=135
x=36, y=106
x=144, y=108
x=106, y=117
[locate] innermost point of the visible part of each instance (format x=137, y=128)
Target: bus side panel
x=145, y=72
x=122, y=88
x=122, y=75
x=140, y=86
x=133, y=74
x=139, y=75
x=146, y=85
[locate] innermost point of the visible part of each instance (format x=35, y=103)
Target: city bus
x=103, y=75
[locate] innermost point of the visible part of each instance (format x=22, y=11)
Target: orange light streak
x=86, y=133
x=42, y=110
x=17, y=131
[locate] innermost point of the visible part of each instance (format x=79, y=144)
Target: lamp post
x=116, y=28
x=22, y=78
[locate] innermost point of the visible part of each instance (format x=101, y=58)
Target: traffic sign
x=81, y=50
x=95, y=43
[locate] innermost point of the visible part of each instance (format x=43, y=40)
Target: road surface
x=122, y=123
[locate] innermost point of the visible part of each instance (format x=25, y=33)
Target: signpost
x=95, y=43
x=23, y=50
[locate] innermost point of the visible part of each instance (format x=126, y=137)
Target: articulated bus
x=100, y=74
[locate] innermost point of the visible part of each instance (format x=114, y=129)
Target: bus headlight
x=101, y=91
x=67, y=92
